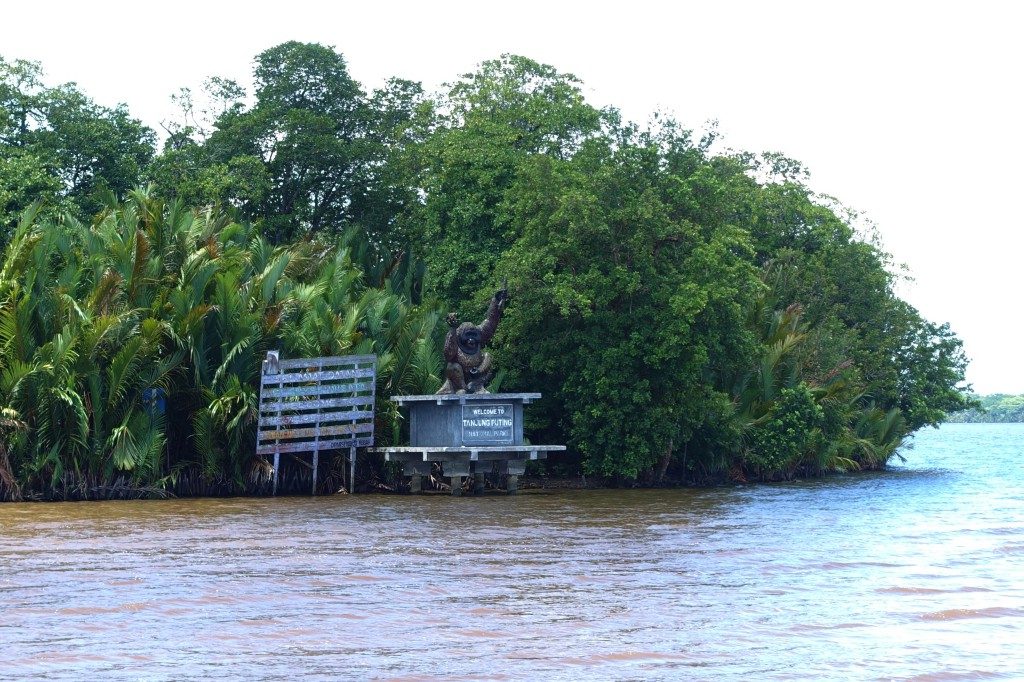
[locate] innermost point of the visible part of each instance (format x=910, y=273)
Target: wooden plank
x=326, y=403
x=315, y=417
x=316, y=465
x=277, y=466
x=327, y=361
x=326, y=375
x=291, y=434
x=321, y=389
x=477, y=448
x=403, y=457
x=465, y=398
x=316, y=435
x=461, y=456
x=272, y=448
x=309, y=394
x=482, y=457
x=352, y=470
x=346, y=406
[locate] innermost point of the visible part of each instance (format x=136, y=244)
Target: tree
x=933, y=363
x=994, y=408
x=490, y=123
x=25, y=179
x=625, y=307
x=845, y=286
x=313, y=154
x=152, y=296
x=60, y=132
x=295, y=157
x=684, y=312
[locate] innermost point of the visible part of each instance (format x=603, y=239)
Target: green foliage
x=26, y=180
x=932, y=363
x=686, y=314
x=489, y=124
x=791, y=429
x=669, y=302
x=634, y=306
x=58, y=146
x=152, y=296
x=312, y=154
x=813, y=257
x=998, y=408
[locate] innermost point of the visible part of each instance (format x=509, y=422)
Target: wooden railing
x=309, y=405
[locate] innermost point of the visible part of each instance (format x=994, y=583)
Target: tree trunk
x=666, y=458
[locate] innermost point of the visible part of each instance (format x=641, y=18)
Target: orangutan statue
x=468, y=368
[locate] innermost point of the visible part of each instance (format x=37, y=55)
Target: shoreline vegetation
x=691, y=313
x=996, y=408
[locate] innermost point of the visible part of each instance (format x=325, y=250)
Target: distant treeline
x=690, y=313
x=996, y=408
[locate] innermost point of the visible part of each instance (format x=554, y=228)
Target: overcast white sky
x=909, y=112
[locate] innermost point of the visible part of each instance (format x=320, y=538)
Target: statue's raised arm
x=494, y=311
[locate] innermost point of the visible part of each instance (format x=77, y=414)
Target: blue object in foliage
x=154, y=401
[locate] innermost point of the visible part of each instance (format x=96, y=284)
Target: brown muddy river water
x=912, y=574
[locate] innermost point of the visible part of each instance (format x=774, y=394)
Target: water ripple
x=912, y=574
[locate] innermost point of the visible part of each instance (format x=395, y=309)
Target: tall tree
x=86, y=147
x=626, y=306
x=490, y=123
x=311, y=154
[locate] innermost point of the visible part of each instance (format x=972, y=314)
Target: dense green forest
x=998, y=408
x=690, y=315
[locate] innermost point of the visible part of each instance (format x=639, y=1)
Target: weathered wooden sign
x=316, y=404
x=488, y=424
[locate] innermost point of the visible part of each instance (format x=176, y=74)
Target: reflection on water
x=915, y=574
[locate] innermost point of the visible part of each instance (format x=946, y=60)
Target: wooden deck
x=466, y=460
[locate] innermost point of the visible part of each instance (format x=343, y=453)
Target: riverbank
x=295, y=481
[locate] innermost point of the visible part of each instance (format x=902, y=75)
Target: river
x=916, y=573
